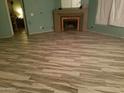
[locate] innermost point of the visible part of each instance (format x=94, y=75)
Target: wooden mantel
x=70, y=12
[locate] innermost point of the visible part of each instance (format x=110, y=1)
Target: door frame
x=25, y=18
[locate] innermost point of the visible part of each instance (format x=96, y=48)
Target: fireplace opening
x=70, y=23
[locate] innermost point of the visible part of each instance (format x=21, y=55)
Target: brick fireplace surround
x=80, y=14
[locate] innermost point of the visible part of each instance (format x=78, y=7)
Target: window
x=70, y=3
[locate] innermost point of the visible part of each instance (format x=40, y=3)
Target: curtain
x=117, y=13
x=110, y=12
x=103, y=11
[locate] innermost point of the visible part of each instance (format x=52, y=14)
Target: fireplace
x=70, y=23
x=68, y=20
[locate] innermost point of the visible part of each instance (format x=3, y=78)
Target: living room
x=74, y=47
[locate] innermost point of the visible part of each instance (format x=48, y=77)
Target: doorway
x=17, y=16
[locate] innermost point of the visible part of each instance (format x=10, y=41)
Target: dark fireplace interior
x=70, y=24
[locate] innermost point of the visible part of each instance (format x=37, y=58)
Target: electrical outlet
x=32, y=14
x=41, y=27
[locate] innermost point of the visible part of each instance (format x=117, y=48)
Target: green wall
x=42, y=17
x=108, y=30
x=57, y=4
x=5, y=27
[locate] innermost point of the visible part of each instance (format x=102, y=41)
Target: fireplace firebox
x=70, y=23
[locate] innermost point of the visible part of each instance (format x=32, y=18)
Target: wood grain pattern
x=66, y=62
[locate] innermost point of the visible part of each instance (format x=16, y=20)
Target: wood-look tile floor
x=66, y=62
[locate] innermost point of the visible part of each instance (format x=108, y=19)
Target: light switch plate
x=32, y=14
